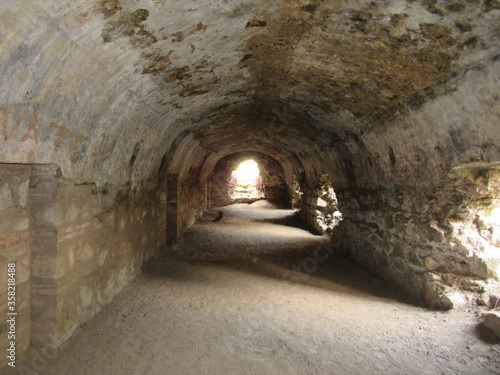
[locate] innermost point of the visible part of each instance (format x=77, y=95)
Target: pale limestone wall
x=75, y=246
x=14, y=248
x=104, y=239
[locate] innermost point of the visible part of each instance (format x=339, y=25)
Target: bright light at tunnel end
x=247, y=170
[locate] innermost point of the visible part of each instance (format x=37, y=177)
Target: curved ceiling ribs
x=85, y=83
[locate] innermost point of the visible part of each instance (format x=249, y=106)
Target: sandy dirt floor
x=225, y=301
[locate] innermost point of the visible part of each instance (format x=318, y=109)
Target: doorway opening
x=245, y=183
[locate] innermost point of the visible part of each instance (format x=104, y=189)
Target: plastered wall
x=75, y=247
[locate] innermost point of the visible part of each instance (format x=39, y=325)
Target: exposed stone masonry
x=75, y=247
x=116, y=116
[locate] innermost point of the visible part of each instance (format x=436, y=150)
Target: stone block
x=492, y=321
x=398, y=249
x=485, y=267
x=22, y=192
x=6, y=198
x=454, y=300
x=414, y=258
x=445, y=301
x=431, y=264
x=434, y=234
x=389, y=221
x=13, y=220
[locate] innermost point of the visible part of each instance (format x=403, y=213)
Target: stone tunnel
x=121, y=121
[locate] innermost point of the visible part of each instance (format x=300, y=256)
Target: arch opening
x=247, y=176
x=245, y=183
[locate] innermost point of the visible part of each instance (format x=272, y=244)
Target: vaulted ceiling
x=106, y=88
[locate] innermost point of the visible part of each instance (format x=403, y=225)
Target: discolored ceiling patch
x=297, y=70
x=328, y=56
x=369, y=61
x=110, y=7
x=128, y=24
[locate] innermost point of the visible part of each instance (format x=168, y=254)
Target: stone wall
x=389, y=231
x=441, y=244
x=421, y=205
x=473, y=220
x=105, y=237
x=192, y=202
x=75, y=246
x=319, y=206
x=15, y=248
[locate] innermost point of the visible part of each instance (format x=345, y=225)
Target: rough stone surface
x=401, y=232
x=105, y=237
x=75, y=247
x=248, y=305
x=15, y=248
x=161, y=68
x=431, y=264
x=397, y=102
x=492, y=321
